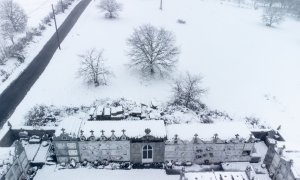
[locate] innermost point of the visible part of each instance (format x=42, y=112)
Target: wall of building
x=208, y=152
x=100, y=150
x=66, y=150
x=136, y=149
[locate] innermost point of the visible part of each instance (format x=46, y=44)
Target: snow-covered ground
x=36, y=12
x=248, y=68
x=51, y=173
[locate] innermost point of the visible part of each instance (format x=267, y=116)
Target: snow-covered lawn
x=248, y=68
x=51, y=173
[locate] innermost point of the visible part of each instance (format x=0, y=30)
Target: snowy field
x=51, y=173
x=36, y=10
x=248, y=68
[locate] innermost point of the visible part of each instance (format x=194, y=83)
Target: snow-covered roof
x=216, y=175
x=225, y=130
x=71, y=126
x=132, y=128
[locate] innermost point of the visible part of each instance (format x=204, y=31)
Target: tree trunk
x=12, y=39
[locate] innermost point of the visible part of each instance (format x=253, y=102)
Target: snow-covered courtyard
x=248, y=68
x=51, y=173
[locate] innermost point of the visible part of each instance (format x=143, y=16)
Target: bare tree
x=187, y=91
x=92, y=68
x=111, y=7
x=273, y=14
x=152, y=50
x=13, y=19
x=3, y=52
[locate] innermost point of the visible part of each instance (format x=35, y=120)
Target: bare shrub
x=273, y=15
x=187, y=92
x=93, y=69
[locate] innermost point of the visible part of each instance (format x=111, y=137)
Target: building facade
x=150, y=142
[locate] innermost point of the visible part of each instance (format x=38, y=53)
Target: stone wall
x=100, y=150
x=203, y=153
x=66, y=150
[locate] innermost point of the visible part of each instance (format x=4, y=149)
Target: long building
x=151, y=141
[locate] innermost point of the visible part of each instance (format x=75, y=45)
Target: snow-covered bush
x=16, y=50
x=38, y=115
x=93, y=68
x=254, y=122
x=273, y=15
x=152, y=51
x=61, y=6
x=4, y=75
x=46, y=20
x=187, y=92
x=111, y=7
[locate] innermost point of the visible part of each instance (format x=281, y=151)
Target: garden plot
x=249, y=69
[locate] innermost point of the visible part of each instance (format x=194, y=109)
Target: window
x=211, y=154
x=147, y=152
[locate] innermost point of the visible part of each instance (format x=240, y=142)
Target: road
x=14, y=94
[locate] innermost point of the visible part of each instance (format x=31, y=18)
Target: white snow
x=36, y=10
x=71, y=126
x=135, y=129
x=51, y=173
x=216, y=175
x=249, y=69
x=225, y=130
